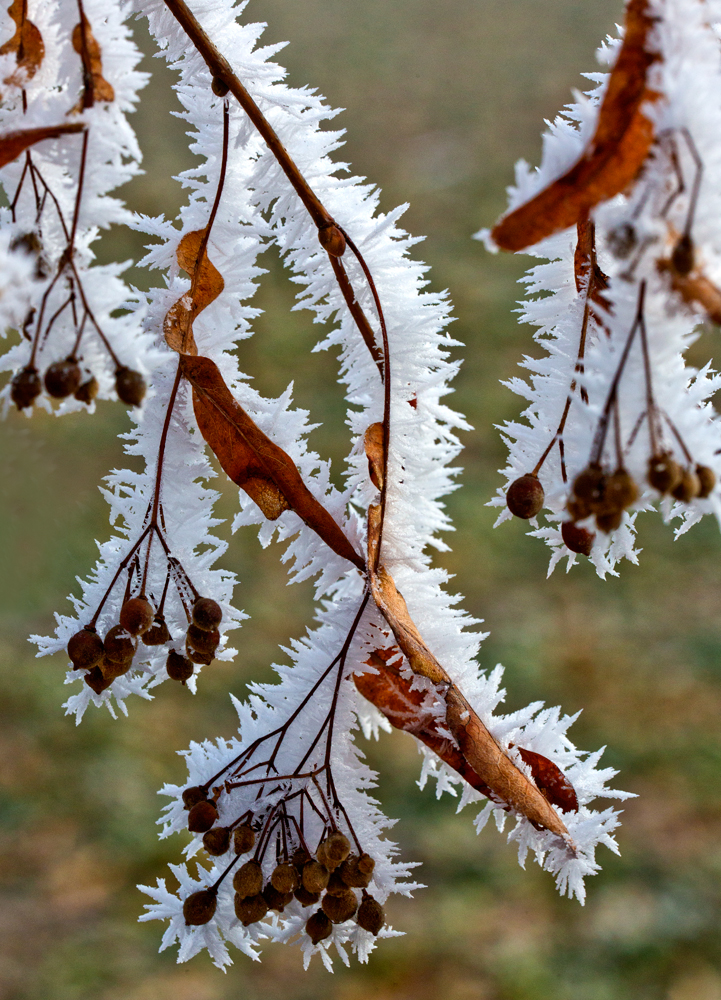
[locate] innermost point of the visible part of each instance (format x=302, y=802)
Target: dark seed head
x=202, y=816
x=687, y=488
x=87, y=391
x=192, y=795
x=248, y=880
x=306, y=898
x=577, y=539
x=207, y=614
x=525, y=496
x=621, y=491
x=110, y=669
x=219, y=88
x=334, y=850
x=129, y=386
x=25, y=387
x=340, y=907
x=371, y=915
x=352, y=874
x=610, y=521
x=62, y=378
x=95, y=680
x=318, y=927
x=366, y=864
x=217, y=840
x=119, y=646
x=332, y=240
x=707, y=481
x=276, y=900
x=243, y=839
x=202, y=640
x=285, y=878
x=315, y=876
x=158, y=633
x=682, y=257
x=336, y=885
x=622, y=240
x=136, y=615
x=664, y=472
x=196, y=656
x=85, y=649
x=178, y=667
x=250, y=909
x=589, y=487
x=199, y=907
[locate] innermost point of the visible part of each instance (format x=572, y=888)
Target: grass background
x=441, y=100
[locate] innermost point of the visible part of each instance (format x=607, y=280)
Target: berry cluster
x=67, y=378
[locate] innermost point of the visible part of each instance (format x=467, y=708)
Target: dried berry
x=202, y=640
x=118, y=645
x=300, y=858
x=306, y=898
x=356, y=871
x=87, y=391
x=285, y=878
x=687, y=487
x=620, y=492
x=332, y=240
x=682, y=257
x=202, y=816
x=136, y=615
x=577, y=539
x=157, y=635
x=318, y=927
x=707, y=481
x=199, y=907
x=248, y=880
x=250, y=909
x=178, y=667
x=315, y=876
x=622, y=240
x=110, y=669
x=525, y=496
x=219, y=88
x=85, y=649
x=195, y=655
x=589, y=487
x=62, y=378
x=366, y=864
x=578, y=509
x=610, y=521
x=95, y=680
x=193, y=794
x=334, y=850
x=217, y=840
x=336, y=886
x=340, y=907
x=129, y=386
x=664, y=473
x=371, y=915
x=25, y=387
x=276, y=900
x=243, y=839
x=207, y=614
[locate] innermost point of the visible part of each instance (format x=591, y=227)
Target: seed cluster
x=66, y=378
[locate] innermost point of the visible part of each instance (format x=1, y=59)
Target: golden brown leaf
x=27, y=42
x=206, y=285
x=252, y=460
x=615, y=155
x=12, y=144
x=95, y=86
x=551, y=780
x=374, y=453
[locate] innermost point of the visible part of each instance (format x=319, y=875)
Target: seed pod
x=315, y=876
x=285, y=878
x=25, y=387
x=202, y=640
x=192, y=795
x=318, y=927
x=366, y=864
x=217, y=840
x=351, y=871
x=682, y=257
x=62, y=378
x=95, y=680
x=136, y=615
x=332, y=240
x=622, y=240
x=621, y=491
x=202, y=816
x=334, y=850
x=340, y=907
x=276, y=900
x=610, y=521
x=87, y=391
x=250, y=909
x=300, y=858
x=578, y=509
x=219, y=88
x=664, y=473
x=589, y=487
x=525, y=496
x=243, y=839
x=336, y=885
x=707, y=481
x=157, y=635
x=306, y=898
x=195, y=655
x=248, y=880
x=688, y=487
x=118, y=645
x=85, y=649
x=110, y=669
x=577, y=539
x=207, y=614
x=199, y=907
x=179, y=667
x=129, y=386
x=371, y=915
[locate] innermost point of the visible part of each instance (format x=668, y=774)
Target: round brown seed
x=352, y=874
x=524, y=497
x=178, y=667
x=318, y=927
x=371, y=915
x=622, y=240
x=306, y=898
x=621, y=491
x=95, y=680
x=62, y=378
x=340, y=907
x=118, y=645
x=332, y=240
x=707, y=481
x=129, y=386
x=158, y=633
x=589, y=487
x=202, y=816
x=682, y=257
x=195, y=656
x=193, y=794
x=202, y=640
x=219, y=88
x=217, y=840
x=250, y=909
x=248, y=880
x=664, y=472
x=25, y=387
x=136, y=615
x=207, y=614
x=610, y=521
x=243, y=839
x=366, y=864
x=276, y=900
x=87, y=391
x=315, y=876
x=577, y=539
x=687, y=488
x=285, y=878
x=334, y=850
x=111, y=669
x=85, y=649
x=199, y=907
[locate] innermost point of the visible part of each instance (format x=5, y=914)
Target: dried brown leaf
x=615, y=155
x=95, y=86
x=27, y=42
x=551, y=780
x=206, y=285
x=12, y=144
x=374, y=452
x=253, y=461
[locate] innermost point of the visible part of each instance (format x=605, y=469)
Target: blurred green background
x=441, y=100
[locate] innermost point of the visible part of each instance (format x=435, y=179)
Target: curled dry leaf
x=551, y=780
x=206, y=285
x=95, y=86
x=478, y=748
x=374, y=452
x=12, y=144
x=27, y=43
x=248, y=456
x=695, y=289
x=615, y=155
